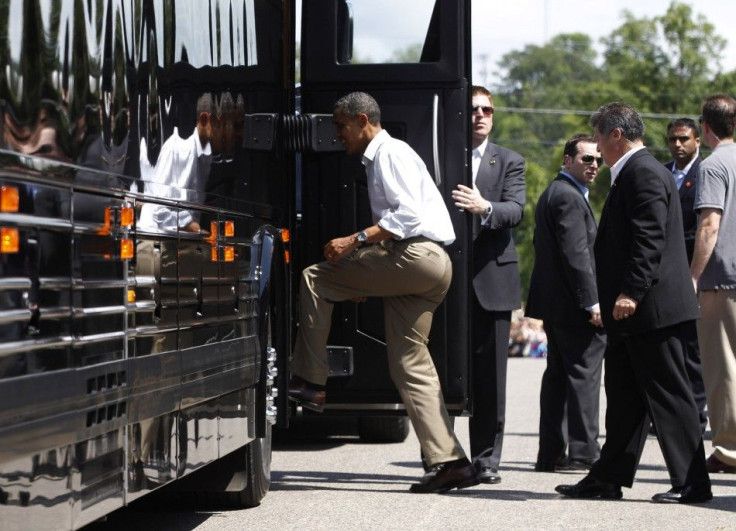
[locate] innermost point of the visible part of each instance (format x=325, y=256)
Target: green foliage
x=663, y=66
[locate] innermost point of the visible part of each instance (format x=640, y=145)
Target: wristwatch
x=361, y=237
x=489, y=209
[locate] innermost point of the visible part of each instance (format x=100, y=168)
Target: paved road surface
x=339, y=483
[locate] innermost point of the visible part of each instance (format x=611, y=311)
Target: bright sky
x=500, y=26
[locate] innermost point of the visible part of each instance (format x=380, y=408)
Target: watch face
x=362, y=236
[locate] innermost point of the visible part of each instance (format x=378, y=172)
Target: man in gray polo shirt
x=714, y=275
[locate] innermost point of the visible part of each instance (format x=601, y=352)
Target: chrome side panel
x=122, y=372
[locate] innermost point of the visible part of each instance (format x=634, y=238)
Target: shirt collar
x=686, y=169
x=373, y=145
x=478, y=152
x=582, y=188
x=616, y=168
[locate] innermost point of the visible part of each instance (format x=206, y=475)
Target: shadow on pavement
x=318, y=480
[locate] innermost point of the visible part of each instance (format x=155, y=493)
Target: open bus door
x=425, y=102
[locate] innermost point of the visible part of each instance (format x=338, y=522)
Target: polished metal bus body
x=136, y=286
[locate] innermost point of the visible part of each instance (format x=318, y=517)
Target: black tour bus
x=159, y=196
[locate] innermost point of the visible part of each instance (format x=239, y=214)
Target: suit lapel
x=688, y=184
x=567, y=181
x=487, y=171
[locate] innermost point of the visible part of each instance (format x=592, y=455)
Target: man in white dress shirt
x=401, y=259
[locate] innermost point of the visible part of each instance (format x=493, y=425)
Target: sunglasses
x=588, y=159
x=486, y=110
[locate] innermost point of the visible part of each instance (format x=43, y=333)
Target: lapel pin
x=688, y=184
x=493, y=161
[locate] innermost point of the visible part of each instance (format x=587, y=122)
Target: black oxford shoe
x=697, y=493
x=575, y=465
x=589, y=487
x=489, y=475
x=457, y=474
x=307, y=394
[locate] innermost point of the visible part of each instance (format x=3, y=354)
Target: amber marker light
x=126, y=249
x=211, y=238
x=229, y=254
x=287, y=257
x=127, y=216
x=214, y=254
x=285, y=235
x=9, y=199
x=9, y=240
x=229, y=228
x=131, y=296
x=104, y=230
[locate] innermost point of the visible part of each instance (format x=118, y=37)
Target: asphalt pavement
x=323, y=477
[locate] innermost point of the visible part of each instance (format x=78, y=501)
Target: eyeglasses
x=588, y=159
x=486, y=110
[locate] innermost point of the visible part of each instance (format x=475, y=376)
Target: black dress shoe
x=575, y=465
x=457, y=474
x=697, y=493
x=564, y=465
x=489, y=475
x=589, y=487
x=714, y=465
x=308, y=395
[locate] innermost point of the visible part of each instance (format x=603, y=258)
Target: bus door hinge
x=300, y=132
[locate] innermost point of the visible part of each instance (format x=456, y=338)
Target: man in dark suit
x=563, y=294
x=641, y=270
x=683, y=139
x=496, y=203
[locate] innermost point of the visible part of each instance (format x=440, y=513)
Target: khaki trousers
x=717, y=337
x=413, y=277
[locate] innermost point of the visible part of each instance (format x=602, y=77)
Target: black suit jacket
x=563, y=279
x=500, y=180
x=687, y=201
x=640, y=250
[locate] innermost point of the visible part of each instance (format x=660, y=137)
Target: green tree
x=663, y=66
x=408, y=54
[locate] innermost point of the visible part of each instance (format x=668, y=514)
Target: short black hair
x=618, y=115
x=685, y=122
x=359, y=102
x=571, y=146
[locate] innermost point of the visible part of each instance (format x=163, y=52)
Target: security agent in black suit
x=563, y=294
x=496, y=203
x=683, y=139
x=641, y=271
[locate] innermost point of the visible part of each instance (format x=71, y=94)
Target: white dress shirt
x=179, y=175
x=616, y=168
x=404, y=198
x=477, y=156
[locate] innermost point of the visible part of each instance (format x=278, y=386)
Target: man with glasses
x=641, y=268
x=563, y=294
x=496, y=203
x=714, y=275
x=683, y=139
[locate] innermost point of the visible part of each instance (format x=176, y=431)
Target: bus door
x=422, y=86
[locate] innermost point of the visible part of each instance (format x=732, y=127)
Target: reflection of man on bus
x=179, y=174
x=405, y=264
